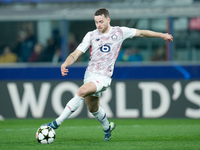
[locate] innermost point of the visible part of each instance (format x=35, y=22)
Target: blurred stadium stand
x=77, y=18
x=84, y=9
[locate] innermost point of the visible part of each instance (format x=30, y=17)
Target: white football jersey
x=104, y=48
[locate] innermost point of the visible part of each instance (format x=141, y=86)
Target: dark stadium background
x=174, y=67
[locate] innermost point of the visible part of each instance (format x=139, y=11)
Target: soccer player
x=104, y=43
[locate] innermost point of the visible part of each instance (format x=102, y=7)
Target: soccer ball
x=45, y=135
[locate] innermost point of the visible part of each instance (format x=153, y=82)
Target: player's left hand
x=168, y=37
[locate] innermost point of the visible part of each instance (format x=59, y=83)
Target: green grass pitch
x=87, y=134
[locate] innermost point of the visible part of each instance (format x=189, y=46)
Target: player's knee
x=81, y=92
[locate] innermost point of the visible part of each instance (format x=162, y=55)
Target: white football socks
x=71, y=107
x=100, y=115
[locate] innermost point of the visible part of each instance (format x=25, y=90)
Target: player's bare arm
x=69, y=61
x=147, y=33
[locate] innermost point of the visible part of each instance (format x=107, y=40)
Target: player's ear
x=109, y=20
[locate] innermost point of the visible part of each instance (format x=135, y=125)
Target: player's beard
x=104, y=29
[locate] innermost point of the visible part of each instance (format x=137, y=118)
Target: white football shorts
x=102, y=82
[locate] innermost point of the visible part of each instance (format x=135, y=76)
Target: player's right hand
x=168, y=37
x=64, y=71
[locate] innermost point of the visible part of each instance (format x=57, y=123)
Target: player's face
x=102, y=23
